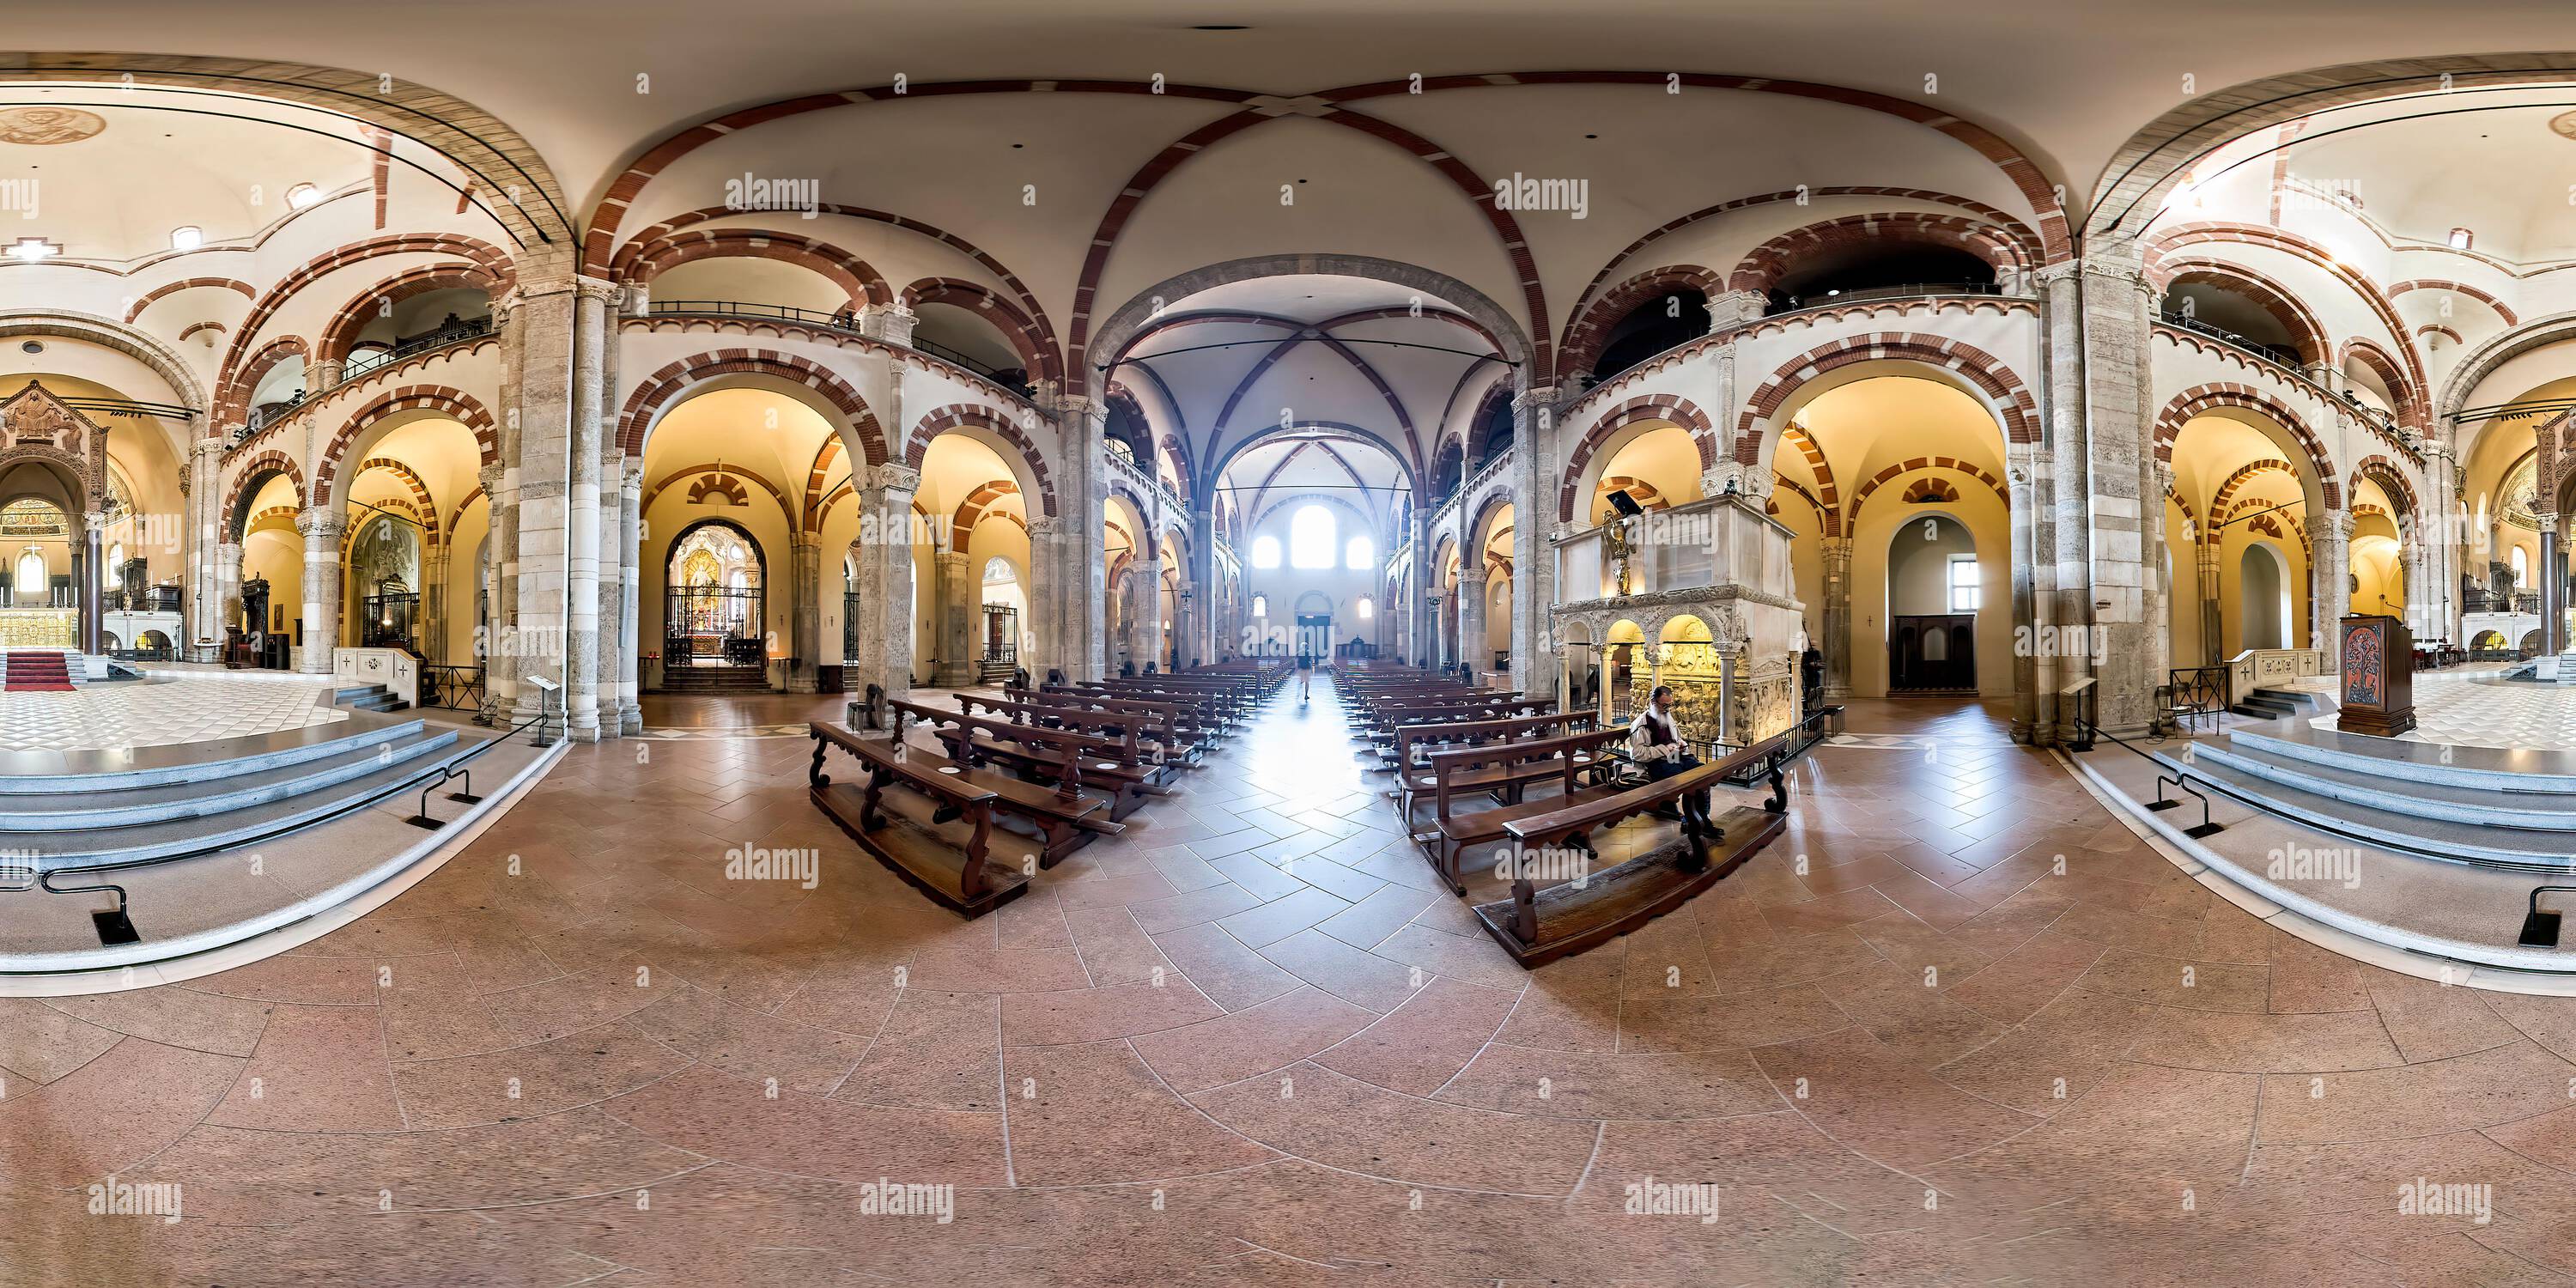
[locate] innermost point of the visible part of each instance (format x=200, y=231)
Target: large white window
x=1360, y=553
x=1965, y=588
x=1261, y=605
x=1265, y=551
x=2521, y=568
x=1367, y=609
x=1310, y=538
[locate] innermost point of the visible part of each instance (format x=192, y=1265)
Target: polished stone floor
x=152, y=713
x=1958, y=1027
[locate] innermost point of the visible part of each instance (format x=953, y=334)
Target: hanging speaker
x=1625, y=504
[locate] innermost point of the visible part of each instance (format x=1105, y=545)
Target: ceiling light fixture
x=32, y=250
x=187, y=237
x=303, y=195
x=2461, y=237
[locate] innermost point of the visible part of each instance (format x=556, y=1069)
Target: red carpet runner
x=37, y=673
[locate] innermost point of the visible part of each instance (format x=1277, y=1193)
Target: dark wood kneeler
x=955, y=876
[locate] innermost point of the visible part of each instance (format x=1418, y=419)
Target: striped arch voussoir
x=1763, y=267
x=2009, y=400
x=455, y=403
x=1589, y=332
x=917, y=446
x=665, y=387
x=1667, y=407
x=2204, y=398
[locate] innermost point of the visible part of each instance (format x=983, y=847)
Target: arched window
x=32, y=586
x=998, y=572
x=1261, y=605
x=1310, y=538
x=1361, y=553
x=2521, y=568
x=115, y=570
x=1265, y=551
x=1367, y=609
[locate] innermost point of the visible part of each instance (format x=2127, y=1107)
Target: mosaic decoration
x=46, y=126
x=2521, y=490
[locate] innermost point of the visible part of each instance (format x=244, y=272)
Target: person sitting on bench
x=1656, y=744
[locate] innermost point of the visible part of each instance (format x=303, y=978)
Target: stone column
x=224, y=589
x=2329, y=581
x=2213, y=625
x=322, y=527
x=581, y=513
x=616, y=642
x=630, y=522
x=208, y=607
x=2553, y=609
x=1201, y=644
x=87, y=581
x=1149, y=614
x=1046, y=594
x=429, y=629
x=544, y=315
x=885, y=580
x=805, y=614
x=2104, y=477
x=498, y=647
x=1082, y=644
x=1471, y=620
x=1835, y=616
x=954, y=604
x=1533, y=487
x=1420, y=639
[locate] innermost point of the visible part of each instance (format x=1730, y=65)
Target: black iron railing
x=457, y=332
x=1831, y=299
x=2282, y=354
x=452, y=688
x=2193, y=693
x=1012, y=379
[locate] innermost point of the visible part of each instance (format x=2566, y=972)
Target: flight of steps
x=162, y=802
x=2468, y=805
x=39, y=671
x=368, y=697
x=715, y=679
x=990, y=671
x=2275, y=704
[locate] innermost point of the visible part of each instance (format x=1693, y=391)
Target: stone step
x=2486, y=768
x=2384, y=786
x=207, y=797
x=388, y=785
x=2475, y=844
x=37, y=773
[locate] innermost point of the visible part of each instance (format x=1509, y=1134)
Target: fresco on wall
x=387, y=549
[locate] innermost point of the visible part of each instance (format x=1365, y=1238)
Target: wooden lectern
x=2378, y=676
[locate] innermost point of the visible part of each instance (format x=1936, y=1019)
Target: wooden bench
x=1128, y=730
x=1504, y=771
x=1204, y=717
x=1592, y=908
x=953, y=872
x=1413, y=743
x=1106, y=765
x=1384, y=721
x=1173, y=733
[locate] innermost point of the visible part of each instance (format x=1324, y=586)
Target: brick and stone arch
x=977, y=504
x=1930, y=491
x=1763, y=267
x=1671, y=408
x=1589, y=331
x=412, y=483
x=2392, y=484
x=669, y=385
x=456, y=404
x=340, y=336
x=816, y=496
x=286, y=512
x=2003, y=221
x=1827, y=520
x=2407, y=398
x=1915, y=465
x=1018, y=329
x=490, y=260
x=2200, y=399
x=725, y=488
x=2005, y=396
x=1478, y=445
x=1028, y=302
x=2502, y=309
x=255, y=474
x=233, y=395
x=2307, y=334
x=2169, y=246
x=996, y=423
x=166, y=289
x=859, y=282
x=694, y=474
x=1827, y=497
x=2446, y=332
x=2236, y=480
x=194, y=328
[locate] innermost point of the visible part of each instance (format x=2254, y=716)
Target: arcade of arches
x=1985, y=422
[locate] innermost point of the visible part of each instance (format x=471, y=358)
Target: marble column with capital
x=2553, y=589
x=210, y=604
x=1201, y=646
x=1471, y=622
x=1046, y=595
x=581, y=511
x=954, y=644
x=544, y=312
x=322, y=527
x=884, y=549
x=1835, y=617
x=805, y=614
x=88, y=575
x=1533, y=487
x=2329, y=582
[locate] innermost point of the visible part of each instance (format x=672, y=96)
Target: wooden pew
x=1128, y=730
x=1106, y=765
x=1202, y=717
x=1504, y=771
x=1173, y=731
x=1414, y=742
x=1538, y=926
x=1063, y=819
x=954, y=874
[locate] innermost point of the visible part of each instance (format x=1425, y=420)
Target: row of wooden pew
x=1060, y=766
x=1512, y=784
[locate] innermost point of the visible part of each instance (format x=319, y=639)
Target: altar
x=39, y=628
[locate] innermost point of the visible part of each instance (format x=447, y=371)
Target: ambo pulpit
x=2378, y=689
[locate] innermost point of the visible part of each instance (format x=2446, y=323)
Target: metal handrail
x=2087, y=726
x=2271, y=352
x=1797, y=304
x=839, y=320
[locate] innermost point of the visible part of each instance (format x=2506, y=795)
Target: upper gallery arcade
x=919, y=384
